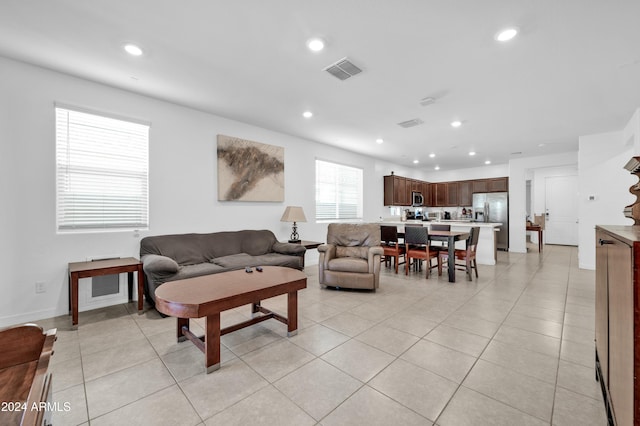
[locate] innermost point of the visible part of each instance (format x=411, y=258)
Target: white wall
x=538, y=185
x=183, y=190
x=484, y=172
x=602, y=158
x=521, y=170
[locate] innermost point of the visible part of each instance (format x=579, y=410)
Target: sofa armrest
x=289, y=248
x=374, y=257
x=327, y=252
x=156, y=264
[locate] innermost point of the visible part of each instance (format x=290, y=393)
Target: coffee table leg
x=255, y=308
x=212, y=343
x=182, y=322
x=292, y=313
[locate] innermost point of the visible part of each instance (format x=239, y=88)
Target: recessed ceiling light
x=133, y=50
x=541, y=144
x=315, y=44
x=436, y=168
x=432, y=155
x=379, y=141
x=307, y=114
x=456, y=123
x=472, y=153
x=415, y=161
x=506, y=34
x=487, y=162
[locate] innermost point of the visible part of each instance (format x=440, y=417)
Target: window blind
x=102, y=172
x=338, y=191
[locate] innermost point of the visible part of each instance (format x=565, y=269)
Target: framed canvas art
x=249, y=171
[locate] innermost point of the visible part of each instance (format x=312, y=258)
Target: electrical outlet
x=40, y=287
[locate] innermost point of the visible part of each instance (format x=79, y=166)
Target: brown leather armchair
x=351, y=257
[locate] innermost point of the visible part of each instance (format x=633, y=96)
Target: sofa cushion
x=275, y=259
x=358, y=252
x=242, y=260
x=256, y=243
x=233, y=261
x=190, y=271
x=349, y=264
x=185, y=249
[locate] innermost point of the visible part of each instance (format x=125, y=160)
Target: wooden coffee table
x=209, y=295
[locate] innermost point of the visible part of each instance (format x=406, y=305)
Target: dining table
x=450, y=237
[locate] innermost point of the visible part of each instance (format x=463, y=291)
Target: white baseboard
x=27, y=317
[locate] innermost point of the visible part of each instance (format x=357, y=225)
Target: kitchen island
x=486, y=250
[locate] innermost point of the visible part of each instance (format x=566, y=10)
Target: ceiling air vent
x=343, y=69
x=427, y=101
x=411, y=123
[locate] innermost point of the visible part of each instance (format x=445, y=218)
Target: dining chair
x=416, y=240
x=468, y=255
x=392, y=249
x=439, y=245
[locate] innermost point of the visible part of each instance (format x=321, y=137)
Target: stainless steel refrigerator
x=494, y=207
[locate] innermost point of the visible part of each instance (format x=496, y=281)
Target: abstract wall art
x=249, y=171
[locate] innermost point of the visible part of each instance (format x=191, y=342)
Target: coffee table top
x=200, y=296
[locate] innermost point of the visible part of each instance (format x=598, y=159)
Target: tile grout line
x=488, y=343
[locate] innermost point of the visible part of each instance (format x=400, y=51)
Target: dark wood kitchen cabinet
x=617, y=321
x=452, y=194
x=465, y=193
x=426, y=193
x=395, y=191
x=498, y=184
x=480, y=185
x=440, y=194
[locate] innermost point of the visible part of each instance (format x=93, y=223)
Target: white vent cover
x=411, y=123
x=343, y=69
x=427, y=101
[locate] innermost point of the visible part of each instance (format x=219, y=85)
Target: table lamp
x=293, y=214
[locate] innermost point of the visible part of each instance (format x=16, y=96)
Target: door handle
x=603, y=242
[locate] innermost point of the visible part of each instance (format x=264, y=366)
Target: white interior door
x=561, y=213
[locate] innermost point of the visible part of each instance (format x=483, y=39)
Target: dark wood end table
x=97, y=268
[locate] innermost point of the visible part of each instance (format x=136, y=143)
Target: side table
x=538, y=229
x=97, y=268
x=310, y=244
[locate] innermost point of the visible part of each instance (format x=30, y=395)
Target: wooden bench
x=26, y=386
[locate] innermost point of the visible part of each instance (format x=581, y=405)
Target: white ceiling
x=574, y=69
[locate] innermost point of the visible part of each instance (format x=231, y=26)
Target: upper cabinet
x=498, y=184
x=479, y=185
x=452, y=194
x=465, y=193
x=439, y=194
x=397, y=191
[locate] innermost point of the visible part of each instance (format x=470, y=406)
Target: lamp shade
x=293, y=214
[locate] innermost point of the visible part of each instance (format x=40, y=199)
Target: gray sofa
x=175, y=257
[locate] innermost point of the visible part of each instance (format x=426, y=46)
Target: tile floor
x=512, y=348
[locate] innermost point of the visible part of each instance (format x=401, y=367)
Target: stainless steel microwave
x=417, y=199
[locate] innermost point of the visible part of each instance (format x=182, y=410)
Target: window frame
x=359, y=203
x=127, y=171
